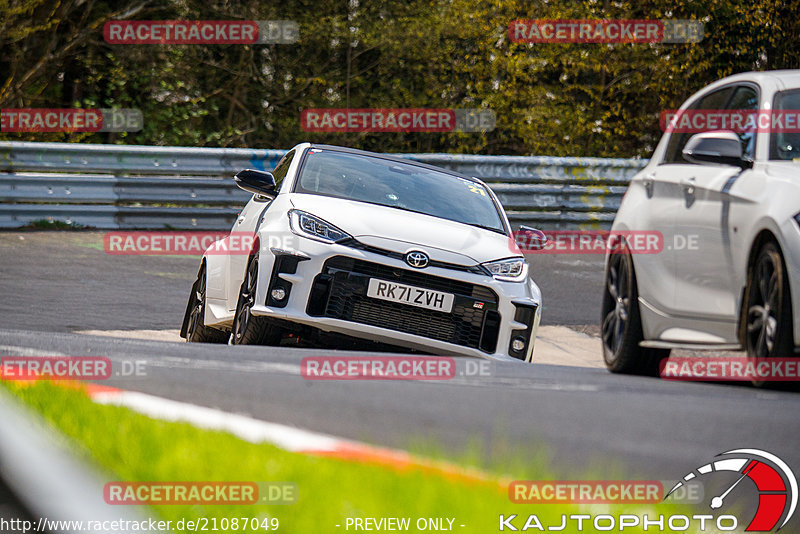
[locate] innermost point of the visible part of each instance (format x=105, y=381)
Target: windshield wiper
x=483, y=226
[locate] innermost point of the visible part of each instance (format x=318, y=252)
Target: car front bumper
x=326, y=288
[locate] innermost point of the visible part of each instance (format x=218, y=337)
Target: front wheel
x=249, y=329
x=768, y=332
x=621, y=326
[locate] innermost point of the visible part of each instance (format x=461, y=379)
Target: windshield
x=785, y=145
x=398, y=185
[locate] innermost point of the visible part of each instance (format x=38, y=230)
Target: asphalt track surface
x=583, y=420
x=64, y=281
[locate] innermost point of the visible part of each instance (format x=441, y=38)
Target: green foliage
x=550, y=99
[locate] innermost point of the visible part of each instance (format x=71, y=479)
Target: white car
x=372, y=247
x=727, y=204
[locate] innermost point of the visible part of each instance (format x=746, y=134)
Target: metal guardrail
x=116, y=186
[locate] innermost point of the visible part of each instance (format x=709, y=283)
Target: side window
x=784, y=144
x=716, y=100
x=746, y=97
x=282, y=168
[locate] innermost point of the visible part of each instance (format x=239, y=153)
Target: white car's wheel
x=196, y=330
x=247, y=328
x=769, y=312
x=621, y=326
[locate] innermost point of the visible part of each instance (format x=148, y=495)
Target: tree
x=550, y=99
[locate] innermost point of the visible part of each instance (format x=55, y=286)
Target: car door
x=657, y=274
x=705, y=268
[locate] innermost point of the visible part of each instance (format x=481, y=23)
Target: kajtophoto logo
x=774, y=480
x=775, y=487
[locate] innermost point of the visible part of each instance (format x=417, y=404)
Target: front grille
x=412, y=278
x=340, y=292
x=354, y=243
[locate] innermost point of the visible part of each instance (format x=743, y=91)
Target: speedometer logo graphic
x=775, y=482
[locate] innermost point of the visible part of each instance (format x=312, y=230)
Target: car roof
x=781, y=79
x=395, y=158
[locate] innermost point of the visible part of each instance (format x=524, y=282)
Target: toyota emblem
x=418, y=260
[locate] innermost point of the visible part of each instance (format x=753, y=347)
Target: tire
x=621, y=324
x=247, y=328
x=768, y=319
x=196, y=330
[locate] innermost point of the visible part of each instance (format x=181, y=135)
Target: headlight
x=511, y=270
x=307, y=225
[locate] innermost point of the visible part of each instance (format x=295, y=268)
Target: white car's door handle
x=688, y=185
x=240, y=220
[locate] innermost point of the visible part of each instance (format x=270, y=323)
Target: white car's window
x=785, y=145
x=398, y=185
x=715, y=100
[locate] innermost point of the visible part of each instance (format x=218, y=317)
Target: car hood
x=400, y=231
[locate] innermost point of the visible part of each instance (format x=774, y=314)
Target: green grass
x=131, y=447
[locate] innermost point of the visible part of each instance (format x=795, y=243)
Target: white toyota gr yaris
x=372, y=247
x=727, y=202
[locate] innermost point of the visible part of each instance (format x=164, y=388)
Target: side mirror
x=258, y=182
x=528, y=238
x=719, y=148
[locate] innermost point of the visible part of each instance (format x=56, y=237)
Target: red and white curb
x=241, y=426
x=289, y=438
x=286, y=437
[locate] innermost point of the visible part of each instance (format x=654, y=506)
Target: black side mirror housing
x=258, y=182
x=721, y=147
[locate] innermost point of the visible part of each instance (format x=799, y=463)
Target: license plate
x=413, y=296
